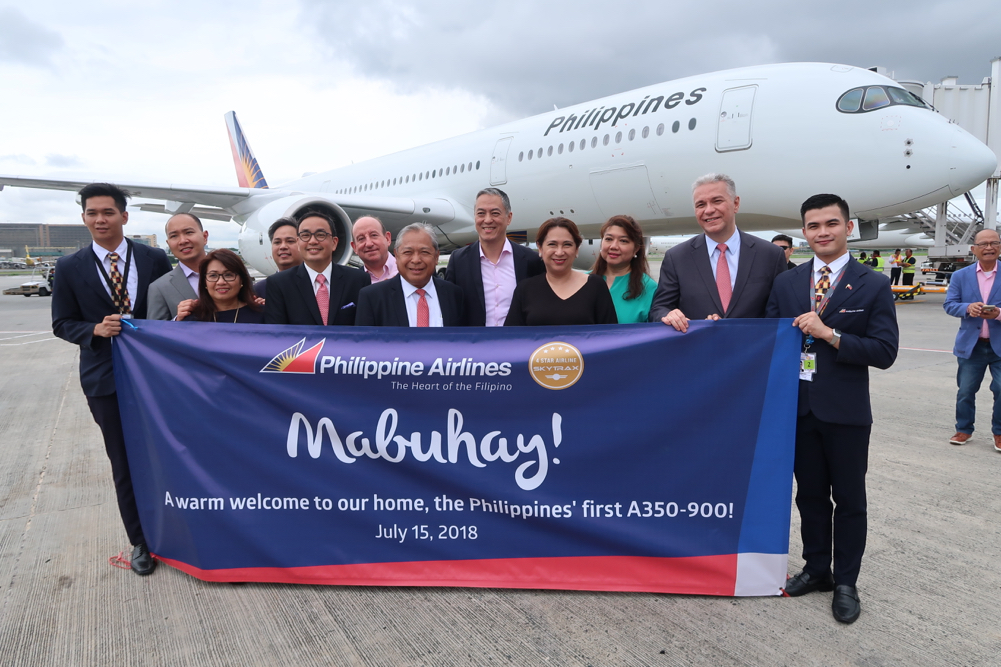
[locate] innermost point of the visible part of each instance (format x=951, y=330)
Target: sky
x=136, y=92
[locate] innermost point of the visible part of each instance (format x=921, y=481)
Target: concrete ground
x=930, y=584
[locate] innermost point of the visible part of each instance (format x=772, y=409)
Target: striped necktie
x=119, y=292
x=821, y=288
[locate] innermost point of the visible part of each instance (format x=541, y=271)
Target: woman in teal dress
x=622, y=264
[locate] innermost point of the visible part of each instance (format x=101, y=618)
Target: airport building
x=43, y=240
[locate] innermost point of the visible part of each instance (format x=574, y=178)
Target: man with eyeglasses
x=974, y=295
x=785, y=242
x=415, y=297
x=318, y=291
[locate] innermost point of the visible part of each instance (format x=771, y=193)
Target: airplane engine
x=255, y=245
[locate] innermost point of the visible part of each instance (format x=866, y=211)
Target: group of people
x=844, y=310
x=900, y=265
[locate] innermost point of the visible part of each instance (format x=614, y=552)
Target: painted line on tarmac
x=28, y=342
x=925, y=349
x=22, y=334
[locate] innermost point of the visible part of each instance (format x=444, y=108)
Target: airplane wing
x=221, y=197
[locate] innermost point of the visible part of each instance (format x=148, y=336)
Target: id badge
x=807, y=365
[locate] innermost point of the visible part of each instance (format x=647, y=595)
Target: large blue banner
x=627, y=458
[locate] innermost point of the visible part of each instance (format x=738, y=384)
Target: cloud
x=62, y=161
x=20, y=158
x=526, y=56
x=26, y=42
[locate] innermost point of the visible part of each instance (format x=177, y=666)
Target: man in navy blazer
x=294, y=295
x=723, y=273
x=974, y=295
x=847, y=316
x=85, y=312
x=490, y=269
x=396, y=302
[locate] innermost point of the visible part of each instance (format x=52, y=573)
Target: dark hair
x=496, y=192
x=205, y=308
x=551, y=224
x=875, y=253
x=637, y=266
x=278, y=224
x=897, y=250
x=120, y=195
x=783, y=238
x=198, y=221
x=315, y=213
x=823, y=201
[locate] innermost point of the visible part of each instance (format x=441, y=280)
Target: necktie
x=821, y=288
x=723, y=277
x=322, y=296
x=119, y=294
x=423, y=314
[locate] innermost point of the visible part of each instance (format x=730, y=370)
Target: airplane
x=783, y=132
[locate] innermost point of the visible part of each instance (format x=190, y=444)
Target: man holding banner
x=846, y=313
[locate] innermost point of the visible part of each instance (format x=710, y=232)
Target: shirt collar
x=188, y=272
x=122, y=250
x=409, y=289
x=313, y=274
x=732, y=243
x=835, y=266
x=507, y=249
x=389, y=268
x=980, y=269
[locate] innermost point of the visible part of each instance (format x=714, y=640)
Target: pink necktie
x=723, y=278
x=423, y=314
x=323, y=296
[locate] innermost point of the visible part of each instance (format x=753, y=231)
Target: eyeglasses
x=228, y=277
x=320, y=236
x=988, y=244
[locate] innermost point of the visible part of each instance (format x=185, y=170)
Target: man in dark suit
x=846, y=313
x=186, y=239
x=283, y=234
x=415, y=297
x=94, y=288
x=317, y=291
x=490, y=269
x=784, y=241
x=722, y=273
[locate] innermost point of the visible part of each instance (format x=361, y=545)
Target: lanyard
x=125, y=273
x=827, y=296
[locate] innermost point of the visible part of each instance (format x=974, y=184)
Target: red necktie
x=322, y=296
x=423, y=314
x=119, y=292
x=723, y=277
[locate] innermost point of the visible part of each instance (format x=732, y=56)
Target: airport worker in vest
x=284, y=238
x=95, y=288
x=318, y=291
x=895, y=266
x=370, y=241
x=908, y=265
x=723, y=273
x=415, y=297
x=490, y=269
x=186, y=239
x=849, y=323
x=975, y=296
x=877, y=263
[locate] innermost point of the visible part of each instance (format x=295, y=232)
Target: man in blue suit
x=974, y=296
x=846, y=313
x=94, y=288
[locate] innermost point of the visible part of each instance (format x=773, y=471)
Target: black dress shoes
x=804, y=583
x=846, y=606
x=142, y=562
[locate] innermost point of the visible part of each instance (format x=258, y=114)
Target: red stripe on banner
x=702, y=575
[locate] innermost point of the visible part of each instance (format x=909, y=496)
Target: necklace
x=234, y=316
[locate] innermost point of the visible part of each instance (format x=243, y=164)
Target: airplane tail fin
x=248, y=172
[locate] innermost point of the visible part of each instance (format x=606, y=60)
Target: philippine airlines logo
x=294, y=360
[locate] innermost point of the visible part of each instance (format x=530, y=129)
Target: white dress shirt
x=837, y=266
x=732, y=254
x=132, y=282
x=312, y=277
x=411, y=297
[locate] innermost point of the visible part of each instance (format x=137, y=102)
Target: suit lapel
x=520, y=263
x=305, y=286
x=700, y=257
x=995, y=288
x=851, y=283
x=398, y=303
x=801, y=285
x=446, y=305
x=744, y=262
x=336, y=287
x=181, y=284
x=91, y=275
x=478, y=275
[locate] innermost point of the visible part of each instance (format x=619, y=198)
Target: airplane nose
x=972, y=163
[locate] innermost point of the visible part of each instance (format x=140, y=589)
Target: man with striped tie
x=846, y=313
x=95, y=288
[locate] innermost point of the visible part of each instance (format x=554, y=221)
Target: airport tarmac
x=930, y=583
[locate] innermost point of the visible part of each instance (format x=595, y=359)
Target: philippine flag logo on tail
x=294, y=360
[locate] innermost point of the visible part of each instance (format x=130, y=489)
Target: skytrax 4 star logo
x=294, y=360
x=556, y=365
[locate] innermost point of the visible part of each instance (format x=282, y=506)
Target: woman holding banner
x=560, y=295
x=225, y=292
x=622, y=263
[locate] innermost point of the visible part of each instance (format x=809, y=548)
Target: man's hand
x=981, y=309
x=259, y=301
x=714, y=317
x=184, y=309
x=811, y=324
x=108, y=327
x=676, y=319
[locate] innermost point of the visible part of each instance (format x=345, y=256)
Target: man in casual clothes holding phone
x=974, y=295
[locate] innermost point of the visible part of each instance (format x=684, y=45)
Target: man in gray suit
x=720, y=274
x=187, y=240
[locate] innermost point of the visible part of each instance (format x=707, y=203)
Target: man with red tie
x=723, y=273
x=317, y=291
x=415, y=297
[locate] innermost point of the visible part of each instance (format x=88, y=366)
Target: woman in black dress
x=560, y=295
x=225, y=292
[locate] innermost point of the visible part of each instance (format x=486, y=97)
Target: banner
x=620, y=458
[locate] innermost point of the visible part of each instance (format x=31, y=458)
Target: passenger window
x=530, y=154
x=632, y=134
x=618, y=137
x=420, y=177
x=462, y=168
x=432, y=173
x=583, y=142
x=691, y=124
x=471, y=166
x=851, y=101
x=875, y=98
x=594, y=141
x=675, y=127
x=571, y=146
x=549, y=151
x=477, y=164
x=646, y=131
x=540, y=152
x=560, y=149
x=604, y=141
x=455, y=169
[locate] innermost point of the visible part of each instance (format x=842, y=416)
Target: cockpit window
x=870, y=98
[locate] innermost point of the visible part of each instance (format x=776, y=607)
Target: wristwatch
x=836, y=340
